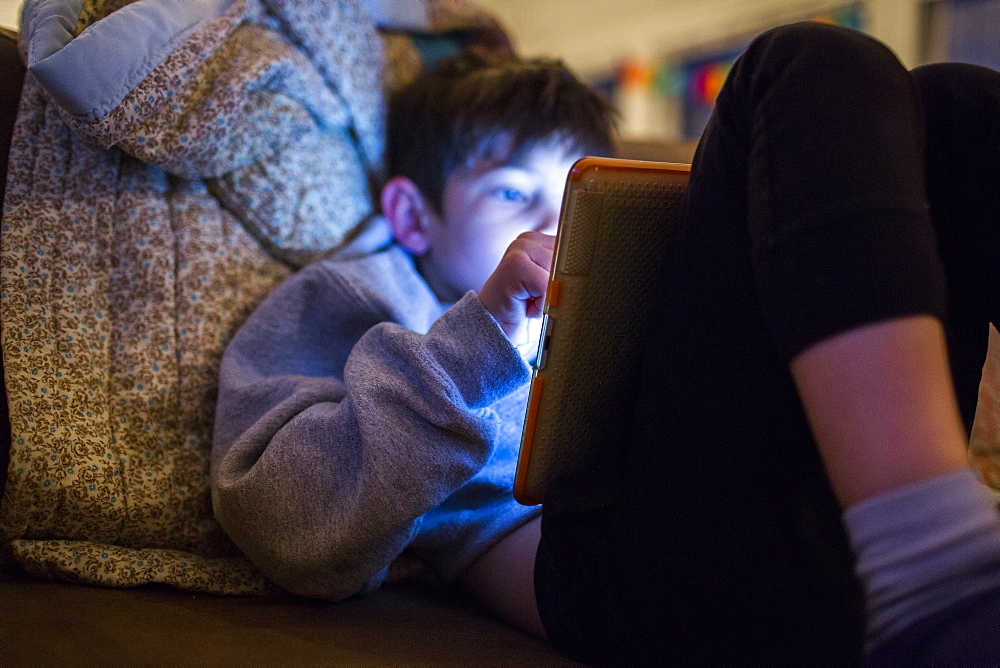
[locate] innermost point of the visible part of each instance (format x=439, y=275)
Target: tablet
x=614, y=224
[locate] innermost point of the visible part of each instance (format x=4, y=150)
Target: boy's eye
x=510, y=195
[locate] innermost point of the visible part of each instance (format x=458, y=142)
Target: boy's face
x=484, y=208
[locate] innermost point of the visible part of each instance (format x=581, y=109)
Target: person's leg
x=502, y=580
x=929, y=551
x=807, y=218
x=961, y=106
x=882, y=406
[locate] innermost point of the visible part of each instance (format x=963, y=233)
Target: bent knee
x=965, y=82
x=829, y=47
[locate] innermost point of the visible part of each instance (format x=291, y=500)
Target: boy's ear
x=409, y=214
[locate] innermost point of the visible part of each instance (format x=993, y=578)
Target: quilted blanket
x=172, y=161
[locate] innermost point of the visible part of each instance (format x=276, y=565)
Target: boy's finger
x=546, y=240
x=538, y=247
x=536, y=280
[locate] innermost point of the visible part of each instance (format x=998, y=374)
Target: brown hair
x=473, y=103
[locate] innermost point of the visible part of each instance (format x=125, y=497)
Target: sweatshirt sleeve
x=322, y=468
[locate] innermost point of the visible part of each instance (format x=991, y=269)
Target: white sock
x=923, y=548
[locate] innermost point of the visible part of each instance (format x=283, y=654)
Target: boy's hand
x=515, y=291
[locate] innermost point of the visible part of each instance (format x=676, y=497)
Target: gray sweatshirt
x=359, y=417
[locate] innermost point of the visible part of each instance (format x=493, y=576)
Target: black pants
x=832, y=188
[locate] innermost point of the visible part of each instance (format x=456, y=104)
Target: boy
x=370, y=409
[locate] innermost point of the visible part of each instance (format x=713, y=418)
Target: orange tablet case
x=613, y=228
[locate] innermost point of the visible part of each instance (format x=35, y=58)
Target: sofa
x=45, y=622
x=88, y=579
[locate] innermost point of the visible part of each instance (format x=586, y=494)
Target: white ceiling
x=9, y=12
x=591, y=35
